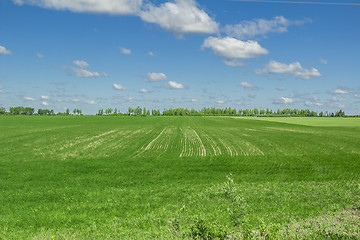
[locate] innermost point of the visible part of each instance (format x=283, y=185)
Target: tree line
x=138, y=111
x=42, y=112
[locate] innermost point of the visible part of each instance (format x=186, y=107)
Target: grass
x=163, y=177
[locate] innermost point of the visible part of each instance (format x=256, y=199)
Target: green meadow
x=93, y=177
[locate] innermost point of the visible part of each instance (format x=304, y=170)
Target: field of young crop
x=92, y=177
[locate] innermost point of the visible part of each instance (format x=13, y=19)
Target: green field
x=91, y=177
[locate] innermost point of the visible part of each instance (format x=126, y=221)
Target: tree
x=67, y=113
x=2, y=110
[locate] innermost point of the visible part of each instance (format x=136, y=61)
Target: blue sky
x=180, y=53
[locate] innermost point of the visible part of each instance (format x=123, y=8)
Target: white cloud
x=232, y=49
x=233, y=63
x=310, y=103
x=45, y=97
x=342, y=91
x=284, y=100
x=29, y=99
x=180, y=17
x=338, y=99
x=151, y=54
x=294, y=69
x=323, y=61
x=81, y=63
x=75, y=100
x=39, y=55
x=117, y=7
x=90, y=102
x=220, y=102
x=248, y=85
x=118, y=87
x=282, y=88
x=45, y=103
x=4, y=51
x=129, y=99
x=175, y=85
x=194, y=100
x=249, y=29
x=355, y=95
x=143, y=90
x=79, y=72
x=82, y=72
x=125, y=51
x=156, y=77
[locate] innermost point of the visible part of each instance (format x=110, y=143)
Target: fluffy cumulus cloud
x=114, y=7
x=125, y=51
x=180, y=17
x=294, y=69
x=249, y=29
x=118, y=87
x=248, y=85
x=151, y=54
x=4, y=51
x=220, y=102
x=45, y=103
x=129, y=99
x=156, y=77
x=45, y=97
x=233, y=50
x=175, y=85
x=81, y=63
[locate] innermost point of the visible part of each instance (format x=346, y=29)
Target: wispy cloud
x=119, y=7
x=342, y=91
x=284, y=100
x=298, y=2
x=82, y=72
x=249, y=29
x=248, y=85
x=39, y=55
x=294, y=69
x=156, y=77
x=29, y=99
x=125, y=50
x=81, y=63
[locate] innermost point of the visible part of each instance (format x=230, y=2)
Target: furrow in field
x=156, y=138
x=214, y=146
x=192, y=144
